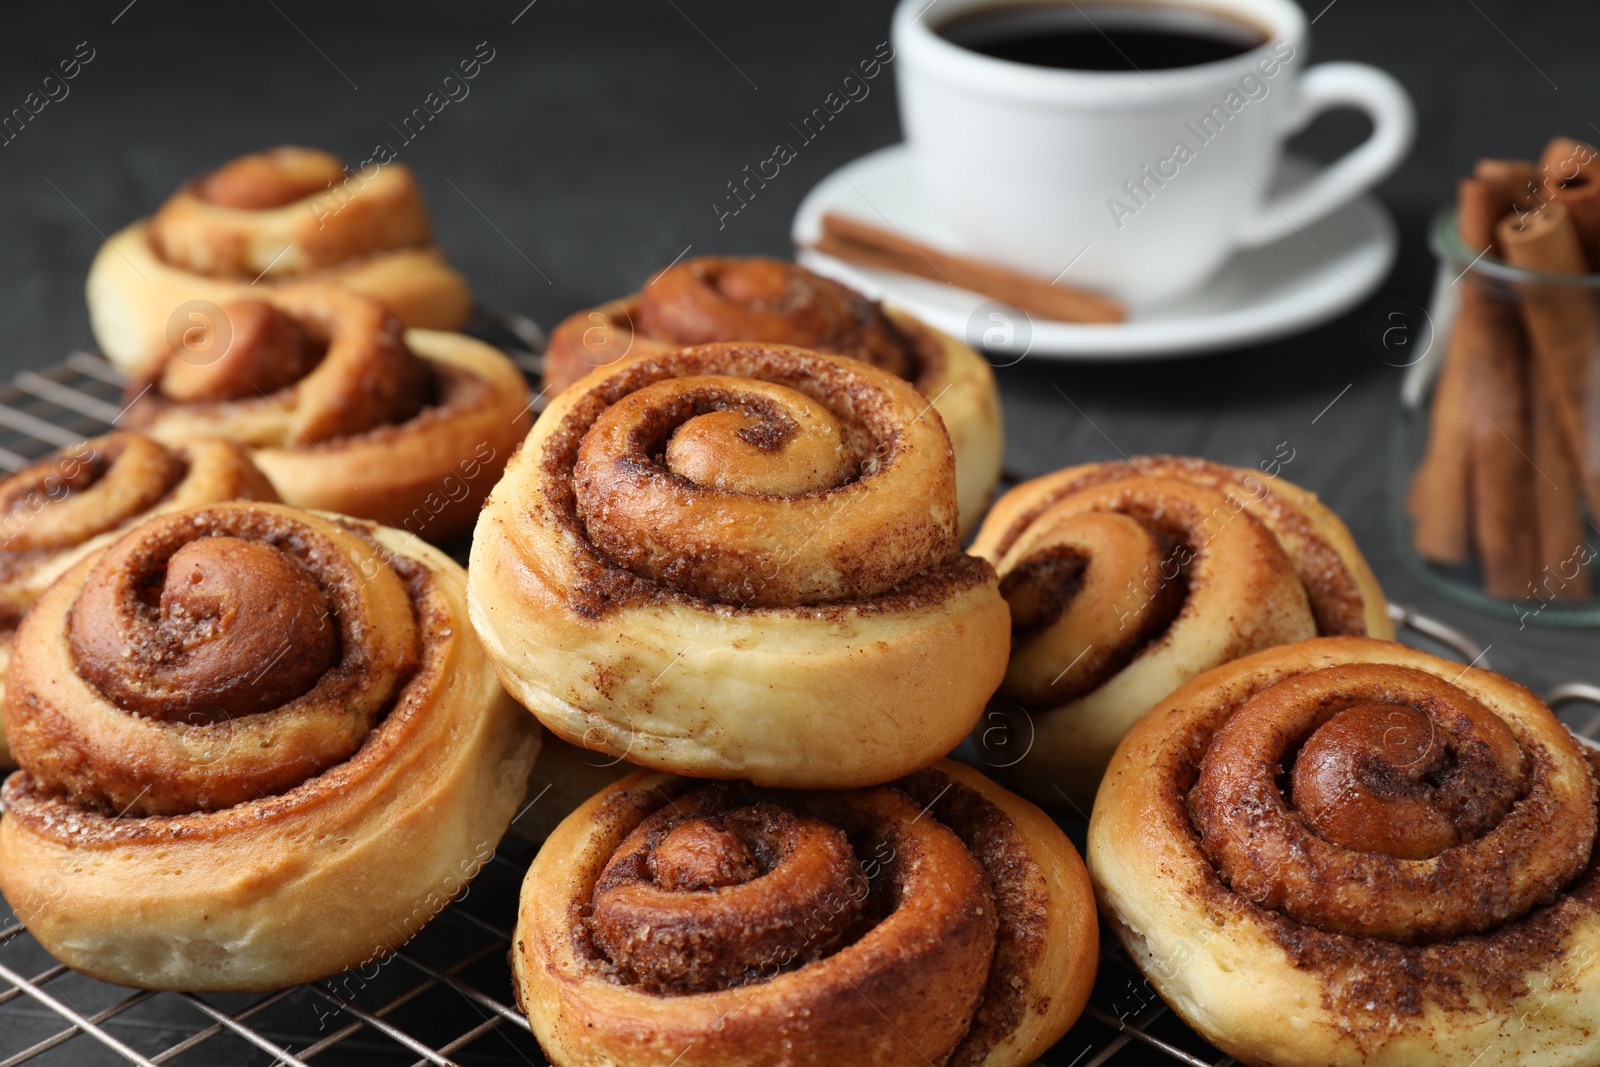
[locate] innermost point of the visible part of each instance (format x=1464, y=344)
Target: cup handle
x=1394, y=123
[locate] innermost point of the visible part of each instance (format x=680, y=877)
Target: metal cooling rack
x=444, y=998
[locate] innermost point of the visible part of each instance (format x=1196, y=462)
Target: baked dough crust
x=1269, y=990
x=134, y=295
x=829, y=695
x=206, y=471
x=1271, y=564
x=957, y=381
x=819, y=1013
x=336, y=872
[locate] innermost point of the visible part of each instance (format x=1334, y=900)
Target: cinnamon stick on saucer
x=1563, y=330
x=860, y=242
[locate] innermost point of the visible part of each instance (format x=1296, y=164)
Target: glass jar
x=1492, y=506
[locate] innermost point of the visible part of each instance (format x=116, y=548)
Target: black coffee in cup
x=1103, y=37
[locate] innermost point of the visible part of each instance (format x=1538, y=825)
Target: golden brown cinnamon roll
x=258, y=745
x=282, y=215
x=740, y=561
x=343, y=409
x=1344, y=851
x=934, y=920
x=75, y=500
x=1127, y=579
x=708, y=299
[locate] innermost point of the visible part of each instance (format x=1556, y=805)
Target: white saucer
x=1259, y=295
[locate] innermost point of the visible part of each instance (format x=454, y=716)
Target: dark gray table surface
x=592, y=148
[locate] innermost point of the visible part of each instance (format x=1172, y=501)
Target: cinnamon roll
x=259, y=746
x=343, y=409
x=934, y=920
x=740, y=561
x=271, y=217
x=73, y=501
x=1127, y=579
x=1344, y=851
x=713, y=298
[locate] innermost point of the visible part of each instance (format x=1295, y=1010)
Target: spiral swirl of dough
x=279, y=636
x=939, y=902
x=343, y=408
x=284, y=216
x=259, y=746
x=738, y=561
x=754, y=299
x=1400, y=847
x=1127, y=579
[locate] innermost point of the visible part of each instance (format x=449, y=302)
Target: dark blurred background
x=592, y=147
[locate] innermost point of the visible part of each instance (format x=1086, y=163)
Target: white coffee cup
x=1041, y=168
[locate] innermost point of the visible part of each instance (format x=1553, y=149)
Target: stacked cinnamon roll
x=259, y=745
x=284, y=215
x=342, y=408
x=713, y=298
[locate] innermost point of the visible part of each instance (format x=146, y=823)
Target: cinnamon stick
x=1563, y=561
x=1517, y=178
x=1494, y=376
x=1504, y=512
x=1441, y=489
x=859, y=242
x=1563, y=331
x=1569, y=173
x=1452, y=496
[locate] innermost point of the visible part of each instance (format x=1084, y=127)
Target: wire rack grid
x=444, y=998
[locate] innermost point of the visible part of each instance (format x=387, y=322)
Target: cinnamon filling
x=1022, y=899
x=728, y=885
x=1380, y=778
x=1335, y=598
x=238, y=628
x=713, y=899
x=753, y=477
x=217, y=656
x=1405, y=809
x=306, y=366
x=1090, y=594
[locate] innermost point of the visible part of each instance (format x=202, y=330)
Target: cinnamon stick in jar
x=1495, y=377
x=1474, y=486
x=1441, y=490
x=1563, y=536
x=1516, y=178
x=1563, y=331
x=1569, y=174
